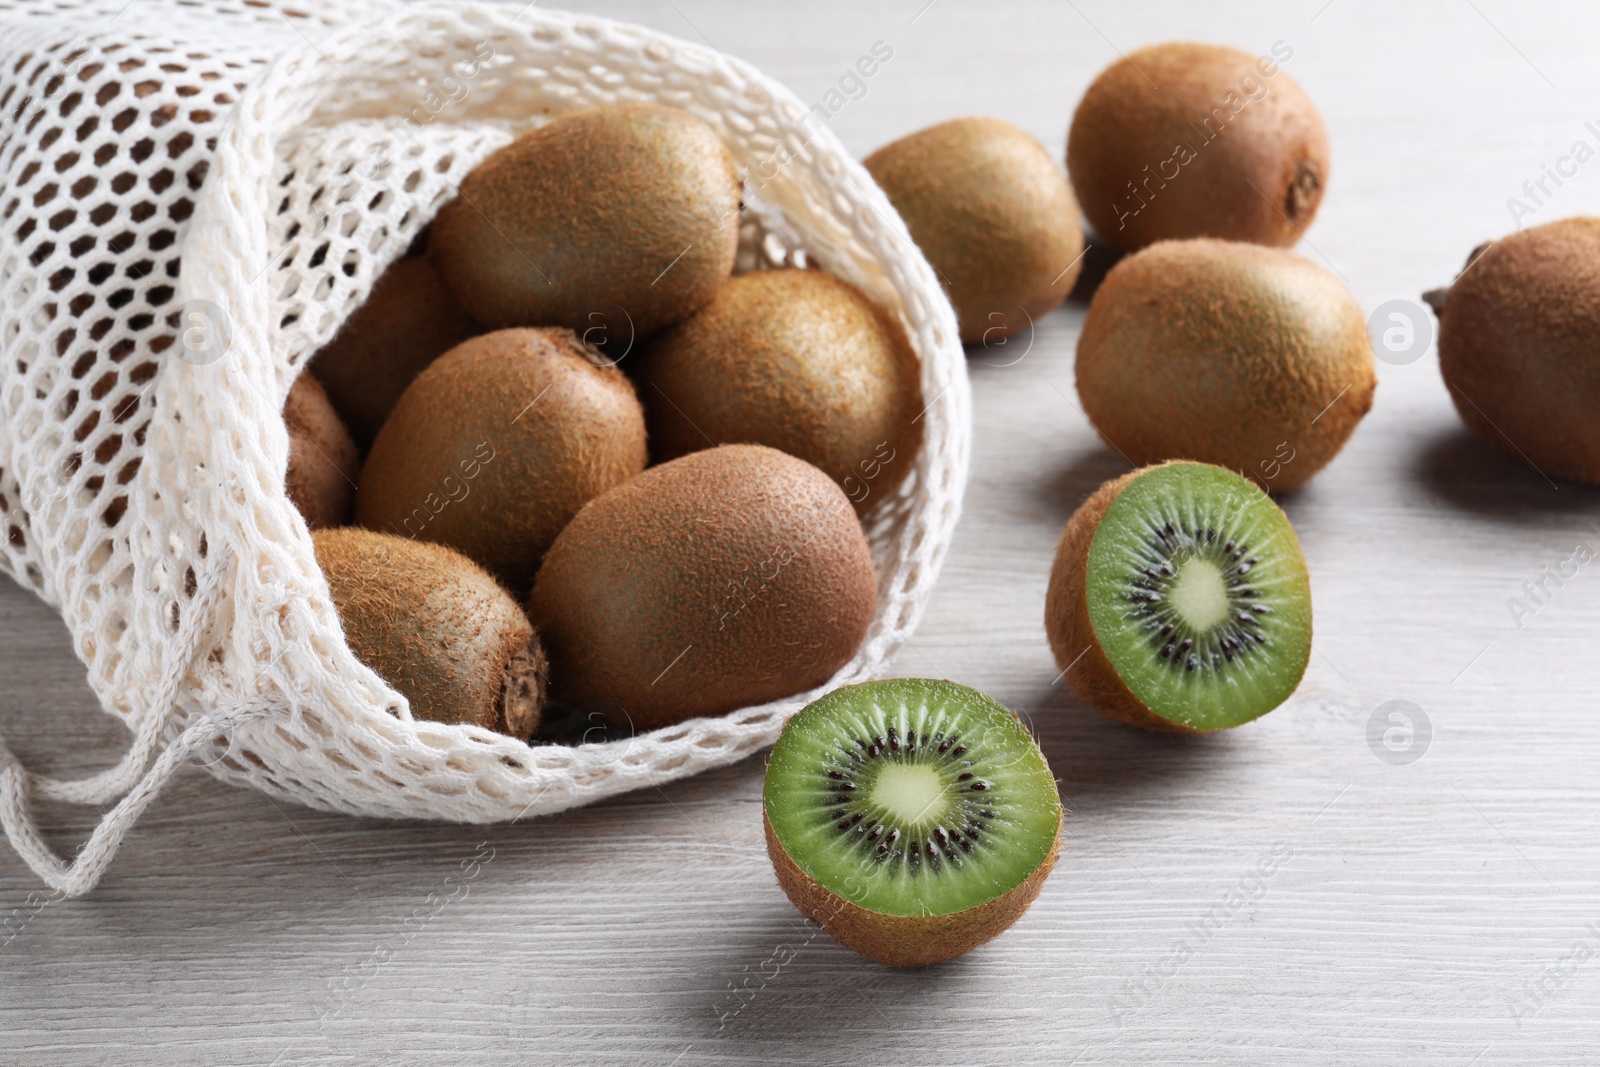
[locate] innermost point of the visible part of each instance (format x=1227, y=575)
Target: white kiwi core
x=910, y=792
x=1199, y=593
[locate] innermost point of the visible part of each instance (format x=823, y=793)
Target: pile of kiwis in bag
x=583, y=461
x=680, y=535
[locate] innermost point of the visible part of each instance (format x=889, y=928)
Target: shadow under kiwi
x=1097, y=760
x=1098, y=259
x=1063, y=489
x=1473, y=476
x=419, y=243
x=792, y=984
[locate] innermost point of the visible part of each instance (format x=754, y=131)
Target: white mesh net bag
x=193, y=199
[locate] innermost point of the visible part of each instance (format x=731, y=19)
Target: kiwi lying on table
x=1518, y=346
x=1179, y=600
x=912, y=819
x=1251, y=358
x=993, y=213
x=1197, y=140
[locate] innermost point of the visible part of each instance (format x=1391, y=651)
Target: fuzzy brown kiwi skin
x=1518, y=348
x=796, y=360
x=323, y=461
x=727, y=578
x=437, y=627
x=1227, y=353
x=498, y=443
x=409, y=320
x=994, y=215
x=1066, y=620
x=1260, y=179
x=905, y=940
x=626, y=206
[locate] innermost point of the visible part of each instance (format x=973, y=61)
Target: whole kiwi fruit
x=498, y=443
x=1179, y=600
x=729, y=577
x=1197, y=140
x=410, y=319
x=796, y=360
x=436, y=627
x=1519, y=346
x=1251, y=358
x=627, y=212
x=994, y=215
x=323, y=460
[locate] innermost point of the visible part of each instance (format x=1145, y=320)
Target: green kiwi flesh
x=1179, y=600
x=624, y=217
x=437, y=628
x=913, y=819
x=796, y=360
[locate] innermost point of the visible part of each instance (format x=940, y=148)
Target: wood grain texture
x=1277, y=895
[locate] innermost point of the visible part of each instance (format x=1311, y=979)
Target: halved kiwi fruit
x=912, y=819
x=1179, y=600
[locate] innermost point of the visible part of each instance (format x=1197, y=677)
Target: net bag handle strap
x=80, y=875
x=113, y=782
x=134, y=777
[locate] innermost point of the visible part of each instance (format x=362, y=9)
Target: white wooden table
x=1276, y=895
